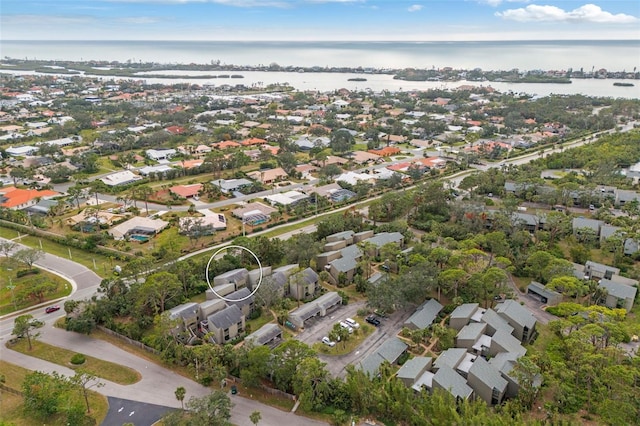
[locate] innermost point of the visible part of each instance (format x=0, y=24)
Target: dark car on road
x=373, y=320
x=51, y=309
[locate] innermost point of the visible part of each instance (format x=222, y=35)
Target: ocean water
x=488, y=55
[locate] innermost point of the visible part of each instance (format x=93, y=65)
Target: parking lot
x=321, y=327
x=318, y=327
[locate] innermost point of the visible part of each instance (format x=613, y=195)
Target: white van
x=352, y=323
x=346, y=326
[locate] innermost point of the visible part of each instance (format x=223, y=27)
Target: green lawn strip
x=139, y=352
x=343, y=348
x=8, y=277
x=263, y=319
x=9, y=234
x=103, y=264
x=265, y=397
x=11, y=411
x=103, y=369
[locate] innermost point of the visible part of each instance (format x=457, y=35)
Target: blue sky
x=348, y=20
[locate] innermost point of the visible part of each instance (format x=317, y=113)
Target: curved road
x=157, y=385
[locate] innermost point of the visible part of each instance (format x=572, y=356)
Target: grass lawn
x=103, y=264
x=263, y=319
x=348, y=346
x=103, y=369
x=264, y=397
x=141, y=353
x=8, y=277
x=11, y=411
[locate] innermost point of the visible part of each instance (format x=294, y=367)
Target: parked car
x=51, y=309
x=346, y=326
x=328, y=341
x=352, y=323
x=373, y=320
x=234, y=389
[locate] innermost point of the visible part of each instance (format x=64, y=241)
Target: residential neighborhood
x=464, y=248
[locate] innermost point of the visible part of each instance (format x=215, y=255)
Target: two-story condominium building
x=226, y=325
x=518, y=317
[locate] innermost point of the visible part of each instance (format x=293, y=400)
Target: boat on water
x=621, y=84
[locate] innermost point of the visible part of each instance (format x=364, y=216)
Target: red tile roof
x=253, y=141
x=386, y=151
x=176, y=130
x=16, y=197
x=186, y=191
x=226, y=144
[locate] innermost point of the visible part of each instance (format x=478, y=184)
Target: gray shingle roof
x=226, y=317
x=186, y=310
x=542, y=290
x=264, y=334
x=351, y=252
x=234, y=275
x=495, y=321
x=472, y=331
x=384, y=238
x=309, y=276
x=344, y=264
x=488, y=374
x=448, y=379
x=517, y=313
x=450, y=358
x=241, y=297
x=509, y=343
x=389, y=351
x=328, y=299
x=425, y=314
x=583, y=222
x=464, y=310
x=414, y=367
x=620, y=291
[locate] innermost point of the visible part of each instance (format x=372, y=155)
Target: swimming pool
x=140, y=238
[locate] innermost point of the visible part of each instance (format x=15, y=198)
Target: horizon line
x=326, y=41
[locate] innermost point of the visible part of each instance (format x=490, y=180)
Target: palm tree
x=180, y=394
x=145, y=191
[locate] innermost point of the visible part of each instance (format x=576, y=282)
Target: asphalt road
x=157, y=385
x=83, y=280
x=122, y=411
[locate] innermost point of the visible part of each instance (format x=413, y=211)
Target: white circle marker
x=224, y=249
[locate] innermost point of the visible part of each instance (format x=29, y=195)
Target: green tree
x=37, y=289
x=286, y=359
x=180, y=394
x=341, y=141
x=255, y=417
x=213, y=409
x=84, y=381
x=158, y=289
x=144, y=191
x=23, y=327
x=28, y=256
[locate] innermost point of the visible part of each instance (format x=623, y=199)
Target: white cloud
x=587, y=13
x=495, y=3
x=415, y=8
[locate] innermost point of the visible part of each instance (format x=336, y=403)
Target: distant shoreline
x=163, y=71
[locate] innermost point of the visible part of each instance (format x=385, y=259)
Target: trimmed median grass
x=103, y=369
x=11, y=407
x=350, y=345
x=103, y=263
